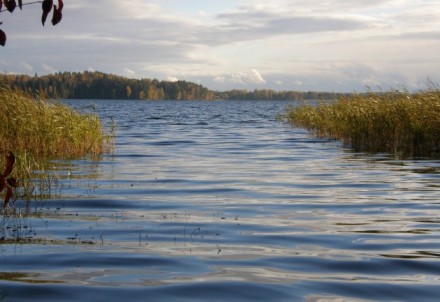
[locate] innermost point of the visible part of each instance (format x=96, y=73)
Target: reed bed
x=398, y=123
x=46, y=129
x=38, y=131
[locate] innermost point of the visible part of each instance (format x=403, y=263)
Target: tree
x=46, y=6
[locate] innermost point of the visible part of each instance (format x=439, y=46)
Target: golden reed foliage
x=399, y=123
x=38, y=131
x=46, y=129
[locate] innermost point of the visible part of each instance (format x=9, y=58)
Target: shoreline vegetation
x=398, y=123
x=98, y=85
x=38, y=131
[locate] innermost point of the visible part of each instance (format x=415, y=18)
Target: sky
x=334, y=45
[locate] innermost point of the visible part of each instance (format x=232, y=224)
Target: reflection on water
x=219, y=201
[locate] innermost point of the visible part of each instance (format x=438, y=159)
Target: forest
x=99, y=85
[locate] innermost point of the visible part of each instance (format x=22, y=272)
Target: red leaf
x=12, y=181
x=60, y=5
x=44, y=17
x=57, y=15
x=2, y=38
x=20, y=3
x=2, y=183
x=47, y=7
x=10, y=161
x=10, y=5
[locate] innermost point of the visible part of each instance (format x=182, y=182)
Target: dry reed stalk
x=401, y=124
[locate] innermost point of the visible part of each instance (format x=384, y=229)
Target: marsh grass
x=38, y=132
x=15, y=227
x=46, y=129
x=398, y=123
x=38, y=181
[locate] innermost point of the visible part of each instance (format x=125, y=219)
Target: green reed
x=399, y=123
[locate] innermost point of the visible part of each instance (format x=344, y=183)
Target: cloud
x=129, y=72
x=335, y=44
x=27, y=67
x=171, y=79
x=49, y=69
x=250, y=24
x=247, y=77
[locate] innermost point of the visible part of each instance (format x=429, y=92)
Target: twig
x=29, y=3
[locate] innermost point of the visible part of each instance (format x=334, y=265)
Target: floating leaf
x=20, y=4
x=47, y=7
x=10, y=5
x=2, y=38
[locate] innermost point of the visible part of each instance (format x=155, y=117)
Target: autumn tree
x=46, y=5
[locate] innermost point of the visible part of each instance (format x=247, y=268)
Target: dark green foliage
x=98, y=85
x=268, y=94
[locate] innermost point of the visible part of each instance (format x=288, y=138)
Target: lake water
x=218, y=201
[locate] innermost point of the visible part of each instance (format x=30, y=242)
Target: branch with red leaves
x=6, y=182
x=46, y=5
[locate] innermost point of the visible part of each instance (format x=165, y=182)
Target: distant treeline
x=98, y=85
x=268, y=94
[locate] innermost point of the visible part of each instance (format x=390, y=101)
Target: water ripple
x=219, y=201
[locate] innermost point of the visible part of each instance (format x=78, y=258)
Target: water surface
x=219, y=201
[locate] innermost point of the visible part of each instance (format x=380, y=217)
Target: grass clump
x=46, y=129
x=38, y=131
x=399, y=123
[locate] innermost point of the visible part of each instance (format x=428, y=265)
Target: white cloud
x=246, y=77
x=306, y=44
x=49, y=69
x=171, y=79
x=129, y=72
x=27, y=68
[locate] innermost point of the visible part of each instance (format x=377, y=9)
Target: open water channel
x=218, y=201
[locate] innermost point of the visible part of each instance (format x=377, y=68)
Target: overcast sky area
x=334, y=45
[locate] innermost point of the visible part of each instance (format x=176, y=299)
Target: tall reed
x=394, y=122
x=45, y=128
x=38, y=131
